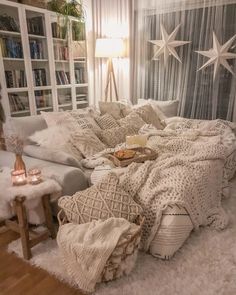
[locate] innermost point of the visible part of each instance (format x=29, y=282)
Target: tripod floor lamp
x=110, y=48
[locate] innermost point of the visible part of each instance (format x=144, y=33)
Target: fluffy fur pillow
x=148, y=115
x=114, y=136
x=133, y=118
x=58, y=138
x=101, y=201
x=106, y=122
x=87, y=142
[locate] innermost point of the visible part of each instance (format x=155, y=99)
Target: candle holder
x=34, y=176
x=18, y=177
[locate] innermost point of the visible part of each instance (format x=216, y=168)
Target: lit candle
x=18, y=177
x=140, y=140
x=34, y=176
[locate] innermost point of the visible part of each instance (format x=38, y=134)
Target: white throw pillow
x=58, y=118
x=169, y=107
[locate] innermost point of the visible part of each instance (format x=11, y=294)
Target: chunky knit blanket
x=189, y=171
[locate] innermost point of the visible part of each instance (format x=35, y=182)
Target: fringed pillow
x=148, y=115
x=87, y=142
x=101, y=201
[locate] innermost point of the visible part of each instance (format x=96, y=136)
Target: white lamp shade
x=110, y=47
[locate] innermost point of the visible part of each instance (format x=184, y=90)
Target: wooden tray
x=143, y=155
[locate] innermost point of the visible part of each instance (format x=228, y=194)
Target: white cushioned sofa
x=69, y=174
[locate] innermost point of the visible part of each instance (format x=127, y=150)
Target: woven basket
x=119, y=262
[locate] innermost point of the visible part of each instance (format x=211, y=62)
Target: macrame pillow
x=101, y=201
x=87, y=142
x=133, y=118
x=85, y=120
x=148, y=115
x=114, y=136
x=106, y=122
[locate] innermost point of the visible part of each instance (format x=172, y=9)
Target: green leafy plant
x=66, y=9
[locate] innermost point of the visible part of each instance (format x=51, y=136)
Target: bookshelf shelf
x=12, y=59
x=82, y=102
x=41, y=69
x=59, y=61
x=9, y=33
x=60, y=40
x=81, y=85
x=39, y=60
x=45, y=108
x=64, y=86
x=36, y=36
x=20, y=112
x=19, y=89
x=42, y=88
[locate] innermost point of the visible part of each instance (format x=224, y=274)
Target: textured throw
x=85, y=248
x=190, y=171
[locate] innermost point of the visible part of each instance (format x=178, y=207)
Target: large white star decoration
x=218, y=55
x=167, y=44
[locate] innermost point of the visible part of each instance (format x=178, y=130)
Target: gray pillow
x=51, y=155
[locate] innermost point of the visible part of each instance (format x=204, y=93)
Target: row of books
x=16, y=102
x=15, y=78
x=8, y=23
x=58, y=31
x=36, y=50
x=80, y=75
x=11, y=48
x=61, y=52
x=62, y=77
x=39, y=76
x=42, y=99
x=35, y=25
x=81, y=97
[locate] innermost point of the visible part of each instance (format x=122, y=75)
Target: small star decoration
x=218, y=55
x=167, y=44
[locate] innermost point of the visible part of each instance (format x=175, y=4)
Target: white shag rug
x=205, y=265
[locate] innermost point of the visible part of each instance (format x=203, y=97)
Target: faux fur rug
x=205, y=265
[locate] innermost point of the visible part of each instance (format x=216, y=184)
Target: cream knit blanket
x=85, y=248
x=188, y=171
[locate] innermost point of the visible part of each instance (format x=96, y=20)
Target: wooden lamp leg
x=109, y=80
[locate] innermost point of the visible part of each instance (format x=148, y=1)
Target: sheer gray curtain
x=200, y=96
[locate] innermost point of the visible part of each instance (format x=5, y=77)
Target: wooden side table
x=29, y=237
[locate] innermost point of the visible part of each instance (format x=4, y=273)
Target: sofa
x=69, y=175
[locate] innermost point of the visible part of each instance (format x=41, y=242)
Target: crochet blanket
x=85, y=248
x=189, y=171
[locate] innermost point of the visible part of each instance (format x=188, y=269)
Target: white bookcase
x=43, y=61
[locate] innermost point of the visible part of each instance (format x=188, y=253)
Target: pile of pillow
x=77, y=134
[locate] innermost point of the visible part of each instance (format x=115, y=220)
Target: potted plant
x=66, y=9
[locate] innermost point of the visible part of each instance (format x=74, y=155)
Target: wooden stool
x=29, y=237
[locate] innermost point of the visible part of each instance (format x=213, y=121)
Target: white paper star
x=218, y=55
x=167, y=44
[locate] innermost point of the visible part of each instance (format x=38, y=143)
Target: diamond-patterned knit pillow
x=114, y=136
x=133, y=118
x=101, y=201
x=106, y=122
